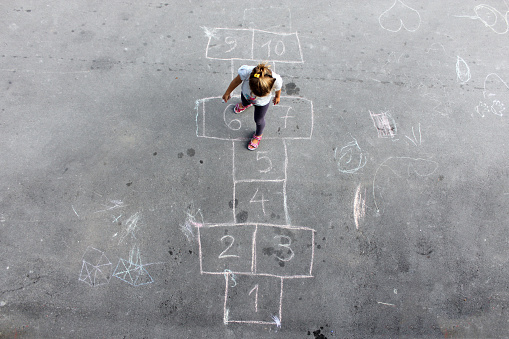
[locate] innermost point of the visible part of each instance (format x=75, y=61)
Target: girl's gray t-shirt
x=244, y=73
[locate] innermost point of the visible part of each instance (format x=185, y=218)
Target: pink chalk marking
x=253, y=254
x=281, y=303
x=196, y=224
x=200, y=254
x=296, y=276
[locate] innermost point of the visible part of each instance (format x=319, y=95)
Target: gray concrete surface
x=375, y=207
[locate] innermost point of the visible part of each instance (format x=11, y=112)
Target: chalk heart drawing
x=400, y=16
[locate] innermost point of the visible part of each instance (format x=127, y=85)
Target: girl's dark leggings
x=259, y=115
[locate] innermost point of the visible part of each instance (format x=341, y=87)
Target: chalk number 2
x=223, y=254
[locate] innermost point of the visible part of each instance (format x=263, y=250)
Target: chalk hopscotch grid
x=253, y=254
x=203, y=133
x=276, y=319
x=253, y=32
x=273, y=322
x=284, y=181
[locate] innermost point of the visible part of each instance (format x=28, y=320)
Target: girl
x=258, y=84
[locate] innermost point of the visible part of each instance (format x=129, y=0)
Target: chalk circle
x=234, y=124
x=350, y=158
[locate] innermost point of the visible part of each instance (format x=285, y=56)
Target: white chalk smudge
x=191, y=215
x=276, y=321
x=359, y=206
x=131, y=227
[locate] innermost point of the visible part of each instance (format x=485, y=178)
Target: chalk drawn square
x=284, y=251
x=95, y=268
x=267, y=163
x=291, y=119
x=228, y=44
x=384, y=124
x=277, y=47
x=226, y=247
x=252, y=299
x=132, y=273
x=260, y=202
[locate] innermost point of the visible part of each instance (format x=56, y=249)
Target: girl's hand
x=276, y=100
x=226, y=97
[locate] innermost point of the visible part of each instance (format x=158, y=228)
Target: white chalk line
x=290, y=227
x=386, y=304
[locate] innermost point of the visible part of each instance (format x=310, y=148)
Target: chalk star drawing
x=393, y=19
x=96, y=267
x=132, y=271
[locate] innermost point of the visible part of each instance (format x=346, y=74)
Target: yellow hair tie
x=256, y=75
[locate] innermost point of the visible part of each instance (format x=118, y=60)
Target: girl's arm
x=277, y=97
x=235, y=82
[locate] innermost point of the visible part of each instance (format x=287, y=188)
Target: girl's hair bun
x=261, y=80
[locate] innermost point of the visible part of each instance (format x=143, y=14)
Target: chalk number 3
x=285, y=245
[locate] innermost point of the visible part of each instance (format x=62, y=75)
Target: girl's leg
x=244, y=100
x=259, y=118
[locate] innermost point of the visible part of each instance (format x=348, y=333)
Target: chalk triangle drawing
x=85, y=274
x=103, y=260
x=132, y=274
x=143, y=277
x=100, y=277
